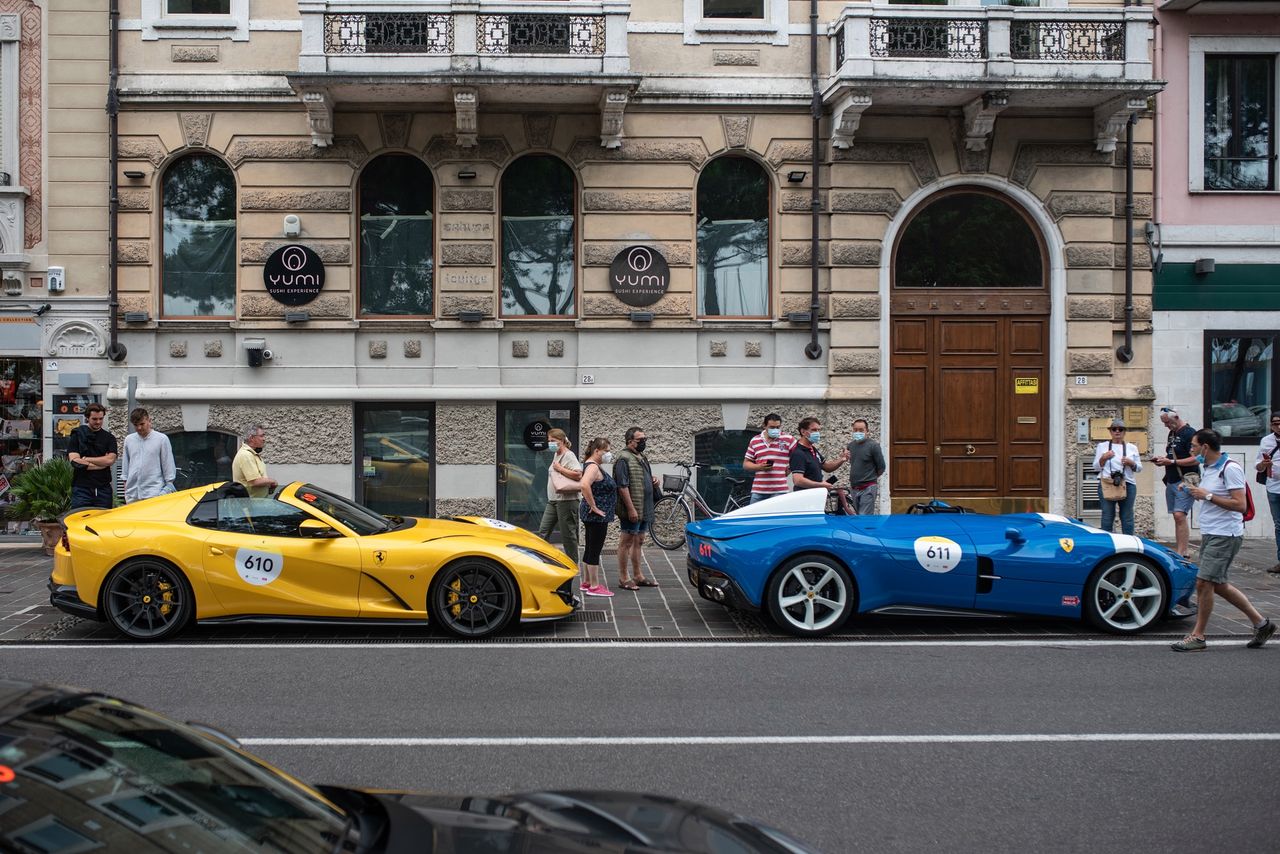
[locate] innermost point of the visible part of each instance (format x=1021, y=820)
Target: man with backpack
x=1227, y=505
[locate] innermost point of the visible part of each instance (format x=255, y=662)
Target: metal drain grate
x=589, y=617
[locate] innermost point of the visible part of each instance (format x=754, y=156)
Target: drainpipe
x=813, y=349
x=1125, y=352
x=115, y=350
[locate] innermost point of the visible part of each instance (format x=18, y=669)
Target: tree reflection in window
x=733, y=239
x=968, y=240
x=397, y=266
x=199, y=241
x=537, y=237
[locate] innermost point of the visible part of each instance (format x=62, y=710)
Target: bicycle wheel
x=670, y=515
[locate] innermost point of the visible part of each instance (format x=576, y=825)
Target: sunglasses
x=1116, y=429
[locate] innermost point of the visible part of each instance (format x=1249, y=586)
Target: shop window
x=397, y=237
x=395, y=466
x=21, y=421
x=198, y=274
x=538, y=238
x=722, y=451
x=968, y=240
x=198, y=7
x=202, y=457
x=1240, y=377
x=733, y=9
x=1239, y=122
x=733, y=239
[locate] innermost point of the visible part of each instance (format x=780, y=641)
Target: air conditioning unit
x=1088, y=491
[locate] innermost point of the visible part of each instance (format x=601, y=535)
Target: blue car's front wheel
x=811, y=595
x=1125, y=594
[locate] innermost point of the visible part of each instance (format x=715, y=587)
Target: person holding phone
x=1268, y=467
x=1177, y=463
x=768, y=455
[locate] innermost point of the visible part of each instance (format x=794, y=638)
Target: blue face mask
x=553, y=446
x=1200, y=459
x=815, y=436
x=859, y=437
x=773, y=432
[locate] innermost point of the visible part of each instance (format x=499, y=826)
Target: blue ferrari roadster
x=812, y=570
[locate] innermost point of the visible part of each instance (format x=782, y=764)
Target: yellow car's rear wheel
x=147, y=599
x=473, y=598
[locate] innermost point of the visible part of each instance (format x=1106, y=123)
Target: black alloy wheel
x=473, y=599
x=148, y=600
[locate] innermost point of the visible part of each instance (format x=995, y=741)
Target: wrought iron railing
x=933, y=38
x=1067, y=40
x=388, y=32
x=573, y=35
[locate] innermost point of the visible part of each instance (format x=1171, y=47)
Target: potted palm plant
x=42, y=494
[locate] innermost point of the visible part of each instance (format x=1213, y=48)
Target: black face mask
x=640, y=445
x=258, y=451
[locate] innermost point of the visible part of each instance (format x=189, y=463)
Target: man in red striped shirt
x=768, y=457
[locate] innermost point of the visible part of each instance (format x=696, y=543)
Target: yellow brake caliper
x=166, y=594
x=455, y=598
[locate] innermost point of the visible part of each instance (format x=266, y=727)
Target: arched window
x=969, y=239
x=397, y=239
x=203, y=457
x=198, y=272
x=733, y=239
x=537, y=237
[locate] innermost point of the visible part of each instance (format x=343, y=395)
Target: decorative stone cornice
x=980, y=118
x=846, y=116
x=466, y=106
x=1109, y=119
x=319, y=117
x=613, y=104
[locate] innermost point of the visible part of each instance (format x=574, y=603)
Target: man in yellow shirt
x=248, y=467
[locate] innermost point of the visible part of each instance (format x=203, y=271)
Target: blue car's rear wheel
x=811, y=595
x=147, y=599
x=1125, y=594
x=473, y=599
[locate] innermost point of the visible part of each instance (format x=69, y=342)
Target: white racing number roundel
x=258, y=568
x=499, y=524
x=938, y=554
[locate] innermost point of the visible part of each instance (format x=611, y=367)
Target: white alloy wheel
x=811, y=595
x=1125, y=595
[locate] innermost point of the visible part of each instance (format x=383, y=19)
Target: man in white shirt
x=1267, y=463
x=1222, y=489
x=147, y=468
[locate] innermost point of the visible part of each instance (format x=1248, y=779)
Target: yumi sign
x=293, y=275
x=639, y=276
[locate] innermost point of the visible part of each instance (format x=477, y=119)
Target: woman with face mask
x=564, y=474
x=599, y=498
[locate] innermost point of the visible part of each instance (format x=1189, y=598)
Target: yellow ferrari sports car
x=301, y=553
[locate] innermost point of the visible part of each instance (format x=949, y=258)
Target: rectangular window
x=733, y=9
x=198, y=7
x=395, y=443
x=1239, y=122
x=199, y=268
x=1240, y=374
x=537, y=265
x=397, y=270
x=733, y=268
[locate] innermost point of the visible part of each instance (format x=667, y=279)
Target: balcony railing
x=992, y=42
x=565, y=36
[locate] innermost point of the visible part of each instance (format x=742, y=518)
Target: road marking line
x=26, y=609
x=611, y=644
x=735, y=740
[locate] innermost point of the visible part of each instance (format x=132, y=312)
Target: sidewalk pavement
x=673, y=610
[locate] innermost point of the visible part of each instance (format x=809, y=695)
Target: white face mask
x=607, y=459
x=858, y=437
x=553, y=447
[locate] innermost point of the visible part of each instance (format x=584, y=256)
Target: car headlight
x=536, y=555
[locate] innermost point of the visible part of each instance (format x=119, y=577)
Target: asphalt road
x=1007, y=746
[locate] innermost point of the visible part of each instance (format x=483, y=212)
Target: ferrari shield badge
x=1067, y=544
x=379, y=556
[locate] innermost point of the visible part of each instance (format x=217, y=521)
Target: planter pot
x=50, y=534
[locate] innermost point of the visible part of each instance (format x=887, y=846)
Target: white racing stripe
x=736, y=740
x=603, y=645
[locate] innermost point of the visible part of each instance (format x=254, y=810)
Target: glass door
x=523, y=457
x=394, y=445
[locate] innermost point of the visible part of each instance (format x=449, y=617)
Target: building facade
x=408, y=241
x=1216, y=225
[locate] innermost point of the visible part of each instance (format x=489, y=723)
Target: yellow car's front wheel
x=147, y=599
x=473, y=598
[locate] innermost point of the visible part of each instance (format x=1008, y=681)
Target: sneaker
x=1262, y=634
x=1190, y=644
x=598, y=590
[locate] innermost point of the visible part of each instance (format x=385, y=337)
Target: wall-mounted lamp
x=796, y=176
x=1204, y=266
x=470, y=316
x=642, y=317
x=292, y=225
x=136, y=317
x=466, y=173
x=42, y=310
x=297, y=316
x=134, y=174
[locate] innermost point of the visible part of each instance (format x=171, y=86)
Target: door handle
x=937, y=449
x=970, y=450
x=214, y=550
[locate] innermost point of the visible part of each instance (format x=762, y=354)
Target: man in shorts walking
x=1221, y=488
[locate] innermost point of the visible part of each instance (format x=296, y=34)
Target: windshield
x=362, y=520
x=90, y=772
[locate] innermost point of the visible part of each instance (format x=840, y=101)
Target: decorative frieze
x=860, y=306
x=607, y=305
x=466, y=200
x=147, y=148
x=177, y=349
x=1032, y=155
x=193, y=53
x=520, y=348
x=1090, y=255
x=1089, y=308
x=258, y=304
x=243, y=148
x=195, y=128
x=719, y=349
x=860, y=254
x=1141, y=254
x=1141, y=205
x=915, y=154
x=1066, y=203
x=1089, y=362
x=735, y=57
x=539, y=129
x=492, y=149
x=1143, y=154
x=788, y=151
x=800, y=253
x=866, y=201
x=690, y=151
x=258, y=251
x=134, y=200
x=466, y=253
x=413, y=348
x=637, y=200
x=737, y=129
x=452, y=303
x=133, y=251
x=602, y=254
x=1141, y=308
x=555, y=348
x=295, y=200
x=378, y=349
x=797, y=201
x=213, y=348
x=862, y=362
x=752, y=349
x=395, y=129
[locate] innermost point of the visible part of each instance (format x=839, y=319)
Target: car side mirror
x=314, y=529
x=1013, y=535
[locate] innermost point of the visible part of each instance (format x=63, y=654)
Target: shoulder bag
x=1111, y=490
x=564, y=485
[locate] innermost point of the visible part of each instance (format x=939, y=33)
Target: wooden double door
x=969, y=410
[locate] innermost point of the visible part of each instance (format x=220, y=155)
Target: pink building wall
x=1175, y=205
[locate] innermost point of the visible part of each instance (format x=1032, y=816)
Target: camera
x=1117, y=477
x=256, y=348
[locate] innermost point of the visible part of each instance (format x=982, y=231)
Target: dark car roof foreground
x=81, y=769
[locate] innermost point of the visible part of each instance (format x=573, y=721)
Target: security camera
x=292, y=225
x=257, y=351
x=267, y=354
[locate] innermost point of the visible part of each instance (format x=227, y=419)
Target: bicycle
x=677, y=507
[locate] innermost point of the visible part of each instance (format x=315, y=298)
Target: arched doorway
x=969, y=355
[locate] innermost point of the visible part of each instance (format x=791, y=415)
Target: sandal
x=628, y=585
x=646, y=582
